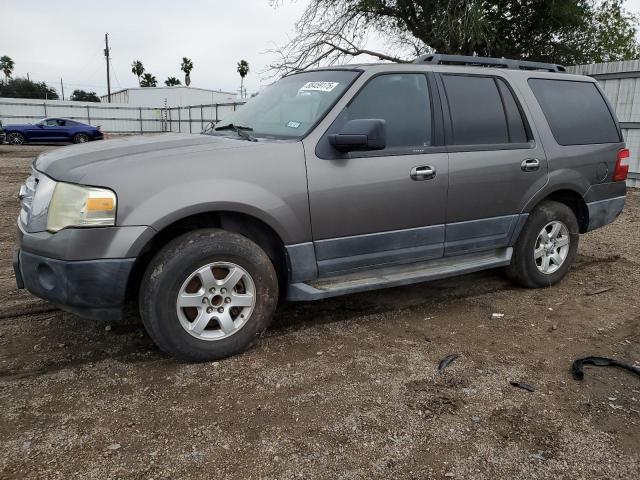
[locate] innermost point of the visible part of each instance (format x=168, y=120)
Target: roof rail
x=439, y=59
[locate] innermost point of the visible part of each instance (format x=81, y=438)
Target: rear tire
x=16, y=138
x=207, y=295
x=80, y=138
x=547, y=246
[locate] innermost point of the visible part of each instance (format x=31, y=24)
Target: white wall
x=178, y=96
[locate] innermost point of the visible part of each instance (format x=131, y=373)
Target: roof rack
x=439, y=59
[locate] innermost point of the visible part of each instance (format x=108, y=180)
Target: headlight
x=79, y=206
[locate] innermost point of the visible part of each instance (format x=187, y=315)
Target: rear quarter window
x=576, y=112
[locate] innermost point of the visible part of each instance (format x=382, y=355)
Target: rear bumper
x=604, y=212
x=94, y=289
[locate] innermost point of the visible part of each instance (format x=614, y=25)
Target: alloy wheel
x=551, y=247
x=216, y=301
x=16, y=139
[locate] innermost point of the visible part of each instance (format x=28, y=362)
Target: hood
x=72, y=163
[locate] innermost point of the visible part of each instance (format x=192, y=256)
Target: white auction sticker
x=318, y=86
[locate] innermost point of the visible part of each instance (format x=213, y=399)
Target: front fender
x=230, y=196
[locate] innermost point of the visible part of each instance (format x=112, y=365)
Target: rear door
x=496, y=162
x=370, y=208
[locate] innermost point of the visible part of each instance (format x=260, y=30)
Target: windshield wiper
x=240, y=130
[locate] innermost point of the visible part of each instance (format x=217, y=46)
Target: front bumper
x=94, y=289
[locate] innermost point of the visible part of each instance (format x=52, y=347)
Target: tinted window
x=576, y=112
x=476, y=110
x=515, y=124
x=402, y=100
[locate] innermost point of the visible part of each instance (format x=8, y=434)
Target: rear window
x=576, y=111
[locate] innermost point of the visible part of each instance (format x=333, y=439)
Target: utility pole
x=62, y=88
x=106, y=56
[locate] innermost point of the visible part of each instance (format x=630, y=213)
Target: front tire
x=16, y=138
x=207, y=295
x=547, y=246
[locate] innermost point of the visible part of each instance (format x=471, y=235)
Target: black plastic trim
x=95, y=287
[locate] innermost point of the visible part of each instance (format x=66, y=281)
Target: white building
x=178, y=96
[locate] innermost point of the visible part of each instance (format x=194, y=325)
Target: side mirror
x=362, y=134
x=40, y=125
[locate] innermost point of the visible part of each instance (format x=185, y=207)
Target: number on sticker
x=318, y=86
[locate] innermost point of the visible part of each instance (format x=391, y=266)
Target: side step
x=398, y=275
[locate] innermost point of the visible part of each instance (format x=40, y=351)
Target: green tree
x=172, y=82
x=243, y=69
x=83, y=96
x=148, y=80
x=137, y=69
x=558, y=31
x=186, y=66
x=23, y=88
x=6, y=65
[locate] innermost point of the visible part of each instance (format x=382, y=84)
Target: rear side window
x=576, y=112
x=402, y=100
x=483, y=111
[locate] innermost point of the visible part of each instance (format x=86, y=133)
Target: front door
x=496, y=164
x=381, y=207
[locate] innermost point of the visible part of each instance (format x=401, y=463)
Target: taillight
x=622, y=166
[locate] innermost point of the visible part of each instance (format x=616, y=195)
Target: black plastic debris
x=446, y=361
x=578, y=371
x=597, y=291
x=525, y=386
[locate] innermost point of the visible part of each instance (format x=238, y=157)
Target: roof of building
x=172, y=87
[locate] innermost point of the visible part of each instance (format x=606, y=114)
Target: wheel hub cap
x=216, y=301
x=552, y=247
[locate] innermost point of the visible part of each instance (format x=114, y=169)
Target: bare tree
x=329, y=32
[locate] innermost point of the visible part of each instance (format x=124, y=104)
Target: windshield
x=291, y=106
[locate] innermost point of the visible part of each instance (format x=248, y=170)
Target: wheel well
x=576, y=203
x=254, y=229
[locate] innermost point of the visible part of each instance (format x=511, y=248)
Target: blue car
x=52, y=130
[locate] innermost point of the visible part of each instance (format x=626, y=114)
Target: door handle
x=425, y=172
x=530, y=165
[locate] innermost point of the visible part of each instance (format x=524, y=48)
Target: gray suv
x=331, y=181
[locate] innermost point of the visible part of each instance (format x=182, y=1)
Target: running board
x=398, y=275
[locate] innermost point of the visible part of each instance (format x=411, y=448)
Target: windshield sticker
x=293, y=124
x=318, y=86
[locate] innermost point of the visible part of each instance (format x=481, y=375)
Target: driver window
x=402, y=100
x=52, y=122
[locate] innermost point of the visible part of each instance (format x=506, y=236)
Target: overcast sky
x=65, y=39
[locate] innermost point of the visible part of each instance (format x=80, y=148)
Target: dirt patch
x=345, y=388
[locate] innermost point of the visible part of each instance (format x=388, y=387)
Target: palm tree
x=148, y=80
x=186, y=67
x=243, y=69
x=172, y=82
x=6, y=65
x=137, y=69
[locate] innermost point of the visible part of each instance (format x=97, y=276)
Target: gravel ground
x=344, y=388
